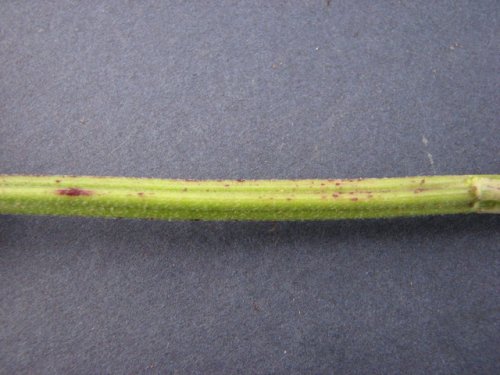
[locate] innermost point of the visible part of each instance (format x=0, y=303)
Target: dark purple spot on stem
x=74, y=192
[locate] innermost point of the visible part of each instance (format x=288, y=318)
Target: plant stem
x=248, y=199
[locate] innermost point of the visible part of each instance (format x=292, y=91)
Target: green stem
x=248, y=199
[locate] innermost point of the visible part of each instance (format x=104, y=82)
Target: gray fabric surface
x=249, y=89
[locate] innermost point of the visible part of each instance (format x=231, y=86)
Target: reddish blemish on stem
x=74, y=192
x=240, y=180
x=335, y=195
x=58, y=181
x=140, y=194
x=354, y=199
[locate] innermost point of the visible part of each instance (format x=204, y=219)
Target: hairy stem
x=316, y=199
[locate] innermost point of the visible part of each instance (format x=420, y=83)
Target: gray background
x=270, y=89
